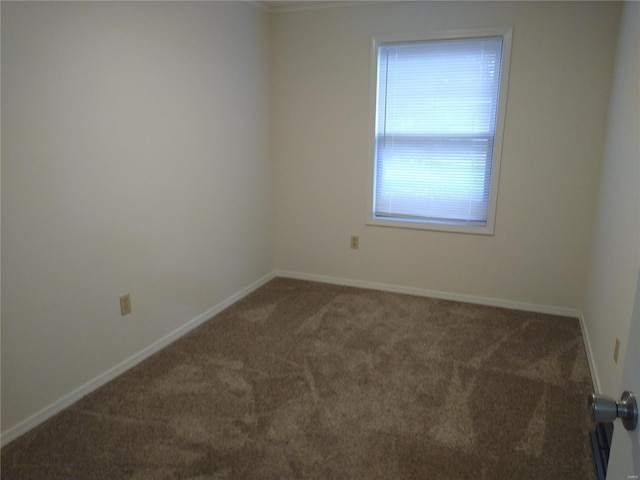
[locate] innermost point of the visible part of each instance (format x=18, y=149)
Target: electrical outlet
x=616, y=350
x=125, y=304
x=355, y=242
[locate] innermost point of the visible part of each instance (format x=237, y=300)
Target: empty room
x=320, y=240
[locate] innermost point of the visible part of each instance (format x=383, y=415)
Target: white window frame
x=436, y=225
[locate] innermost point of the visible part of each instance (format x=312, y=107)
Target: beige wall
x=615, y=260
x=561, y=65
x=134, y=159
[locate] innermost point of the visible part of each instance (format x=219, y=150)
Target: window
x=437, y=130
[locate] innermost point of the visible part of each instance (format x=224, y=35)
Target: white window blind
x=436, y=116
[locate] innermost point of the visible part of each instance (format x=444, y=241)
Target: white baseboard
x=587, y=347
x=59, y=405
x=493, y=302
x=460, y=297
x=122, y=367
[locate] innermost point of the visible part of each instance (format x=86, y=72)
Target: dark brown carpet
x=302, y=380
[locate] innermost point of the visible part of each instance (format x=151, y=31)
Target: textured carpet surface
x=301, y=380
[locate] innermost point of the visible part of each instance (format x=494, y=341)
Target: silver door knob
x=606, y=409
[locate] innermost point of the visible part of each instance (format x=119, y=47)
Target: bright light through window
x=438, y=126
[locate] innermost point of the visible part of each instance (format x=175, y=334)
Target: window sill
x=431, y=226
